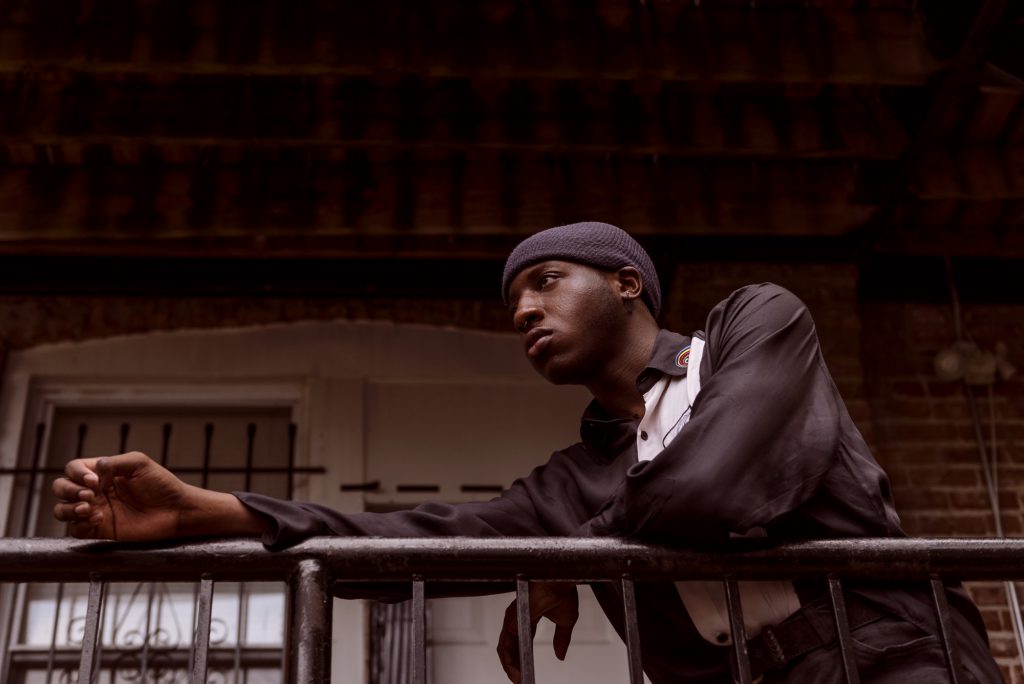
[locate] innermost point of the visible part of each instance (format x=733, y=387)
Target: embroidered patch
x=683, y=358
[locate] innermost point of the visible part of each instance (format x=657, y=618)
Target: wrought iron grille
x=147, y=628
x=310, y=569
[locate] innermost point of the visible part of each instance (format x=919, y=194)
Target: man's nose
x=528, y=313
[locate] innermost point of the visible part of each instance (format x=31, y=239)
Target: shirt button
x=722, y=638
x=643, y=435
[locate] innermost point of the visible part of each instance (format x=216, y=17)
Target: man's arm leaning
x=130, y=497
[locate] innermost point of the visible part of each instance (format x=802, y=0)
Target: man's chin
x=557, y=373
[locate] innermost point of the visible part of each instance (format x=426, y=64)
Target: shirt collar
x=604, y=437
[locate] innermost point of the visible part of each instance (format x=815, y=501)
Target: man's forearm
x=218, y=514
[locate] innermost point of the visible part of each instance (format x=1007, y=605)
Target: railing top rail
x=461, y=558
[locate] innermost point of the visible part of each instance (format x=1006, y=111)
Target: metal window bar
x=56, y=658
x=310, y=568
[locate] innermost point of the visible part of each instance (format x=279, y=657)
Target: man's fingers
x=508, y=645
x=82, y=471
x=67, y=491
x=563, y=635
x=72, y=512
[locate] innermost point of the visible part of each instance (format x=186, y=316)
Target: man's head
x=599, y=245
x=575, y=293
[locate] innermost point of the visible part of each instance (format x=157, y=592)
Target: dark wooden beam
x=957, y=86
x=363, y=196
x=188, y=117
x=715, y=42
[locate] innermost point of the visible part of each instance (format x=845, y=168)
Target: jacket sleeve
x=763, y=432
x=513, y=513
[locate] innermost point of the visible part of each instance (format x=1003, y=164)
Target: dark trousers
x=892, y=650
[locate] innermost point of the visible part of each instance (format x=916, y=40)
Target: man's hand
x=130, y=497
x=558, y=602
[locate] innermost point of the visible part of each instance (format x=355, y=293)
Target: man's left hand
x=556, y=601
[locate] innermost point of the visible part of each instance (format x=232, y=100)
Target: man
x=737, y=431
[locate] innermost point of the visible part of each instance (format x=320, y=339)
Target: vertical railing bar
x=52, y=655
x=202, y=639
x=419, y=631
x=636, y=672
x=122, y=446
x=165, y=459
x=204, y=593
x=739, y=632
x=201, y=644
x=195, y=617
x=945, y=627
x=242, y=617
x=309, y=644
x=835, y=594
x=525, y=624
x=21, y=590
x=83, y=430
x=92, y=636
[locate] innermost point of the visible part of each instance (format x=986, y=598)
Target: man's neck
x=615, y=390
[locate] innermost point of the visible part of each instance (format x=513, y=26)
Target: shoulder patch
x=683, y=357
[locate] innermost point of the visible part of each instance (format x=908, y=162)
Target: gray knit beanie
x=600, y=245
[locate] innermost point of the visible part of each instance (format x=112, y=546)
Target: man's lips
x=536, y=340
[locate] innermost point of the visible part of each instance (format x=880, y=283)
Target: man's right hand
x=130, y=497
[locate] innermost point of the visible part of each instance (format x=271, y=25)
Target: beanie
x=600, y=245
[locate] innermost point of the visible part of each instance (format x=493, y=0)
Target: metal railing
x=311, y=568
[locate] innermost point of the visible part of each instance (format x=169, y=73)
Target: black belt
x=779, y=645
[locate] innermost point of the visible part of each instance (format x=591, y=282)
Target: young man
x=736, y=431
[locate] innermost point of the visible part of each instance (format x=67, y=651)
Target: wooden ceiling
x=449, y=129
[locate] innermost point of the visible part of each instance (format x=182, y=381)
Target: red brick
x=920, y=499
x=1011, y=476
x=996, y=619
x=969, y=499
x=987, y=593
x=950, y=476
x=962, y=525
x=1004, y=646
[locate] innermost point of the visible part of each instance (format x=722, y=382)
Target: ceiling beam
x=610, y=41
x=459, y=195
x=194, y=119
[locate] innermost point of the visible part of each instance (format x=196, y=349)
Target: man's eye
x=545, y=279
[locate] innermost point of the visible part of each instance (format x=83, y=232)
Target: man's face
x=570, y=318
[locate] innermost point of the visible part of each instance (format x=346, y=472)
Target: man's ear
x=629, y=282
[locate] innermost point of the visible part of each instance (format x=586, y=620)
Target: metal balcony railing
x=312, y=567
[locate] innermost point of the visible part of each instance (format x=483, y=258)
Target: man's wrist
x=218, y=514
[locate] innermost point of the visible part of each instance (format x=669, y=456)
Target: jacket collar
x=604, y=437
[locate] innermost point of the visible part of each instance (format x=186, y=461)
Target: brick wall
x=925, y=437
x=880, y=355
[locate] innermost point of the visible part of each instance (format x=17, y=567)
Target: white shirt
x=667, y=408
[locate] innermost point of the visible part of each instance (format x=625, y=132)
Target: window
x=411, y=408
x=147, y=627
